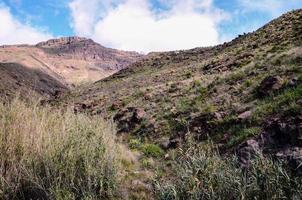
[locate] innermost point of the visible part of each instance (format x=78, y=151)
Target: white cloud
x=134, y=25
x=14, y=32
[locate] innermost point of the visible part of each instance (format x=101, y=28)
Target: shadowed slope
x=16, y=78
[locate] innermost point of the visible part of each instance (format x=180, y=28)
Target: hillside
x=17, y=79
x=222, y=122
x=70, y=60
x=244, y=95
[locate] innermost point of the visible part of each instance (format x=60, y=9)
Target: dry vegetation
x=244, y=96
x=201, y=173
x=55, y=154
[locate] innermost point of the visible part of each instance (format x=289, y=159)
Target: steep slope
x=16, y=78
x=231, y=93
x=71, y=60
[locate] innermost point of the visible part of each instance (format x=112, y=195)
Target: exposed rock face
x=60, y=41
x=282, y=138
x=87, y=49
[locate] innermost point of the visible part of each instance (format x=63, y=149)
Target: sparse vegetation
x=242, y=95
x=277, y=103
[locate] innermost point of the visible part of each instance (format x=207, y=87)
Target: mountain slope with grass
x=220, y=122
x=245, y=81
x=244, y=95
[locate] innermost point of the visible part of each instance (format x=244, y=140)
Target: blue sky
x=141, y=25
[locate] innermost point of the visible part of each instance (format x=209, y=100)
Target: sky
x=137, y=25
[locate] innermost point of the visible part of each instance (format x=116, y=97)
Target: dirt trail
x=135, y=179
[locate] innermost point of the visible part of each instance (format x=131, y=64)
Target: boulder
x=293, y=82
x=247, y=151
x=202, y=125
x=270, y=85
x=171, y=143
x=138, y=115
x=245, y=115
x=174, y=143
x=127, y=119
x=281, y=137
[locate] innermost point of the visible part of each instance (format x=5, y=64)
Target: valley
x=187, y=124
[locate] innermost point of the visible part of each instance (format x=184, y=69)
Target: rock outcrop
x=281, y=138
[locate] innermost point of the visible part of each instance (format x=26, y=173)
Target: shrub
x=152, y=150
x=61, y=155
x=235, y=77
x=188, y=75
x=134, y=144
x=248, y=83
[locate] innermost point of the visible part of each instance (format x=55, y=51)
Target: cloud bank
x=14, y=32
x=138, y=25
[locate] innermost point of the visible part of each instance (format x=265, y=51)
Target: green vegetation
x=152, y=150
x=175, y=99
x=277, y=103
x=47, y=152
x=236, y=76
x=134, y=144
x=242, y=135
x=200, y=173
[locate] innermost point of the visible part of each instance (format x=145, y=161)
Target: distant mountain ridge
x=71, y=60
x=87, y=49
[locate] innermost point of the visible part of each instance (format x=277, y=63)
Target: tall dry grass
x=201, y=173
x=52, y=154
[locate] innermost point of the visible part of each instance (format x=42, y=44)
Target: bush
x=202, y=174
x=134, y=144
x=152, y=150
x=54, y=154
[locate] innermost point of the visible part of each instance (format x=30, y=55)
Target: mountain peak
x=63, y=41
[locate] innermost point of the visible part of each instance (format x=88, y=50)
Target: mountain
x=244, y=94
x=222, y=122
x=70, y=60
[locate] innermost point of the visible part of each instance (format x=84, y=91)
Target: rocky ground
x=244, y=95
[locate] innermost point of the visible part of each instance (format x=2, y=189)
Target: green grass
x=152, y=150
x=56, y=154
x=276, y=103
x=243, y=135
